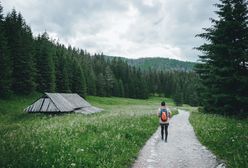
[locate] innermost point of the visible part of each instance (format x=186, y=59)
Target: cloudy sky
x=130, y=28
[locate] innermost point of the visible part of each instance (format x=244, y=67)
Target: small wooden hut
x=61, y=103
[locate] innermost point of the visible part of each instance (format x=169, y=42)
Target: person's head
x=163, y=103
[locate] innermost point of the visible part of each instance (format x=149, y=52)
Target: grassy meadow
x=111, y=138
x=225, y=137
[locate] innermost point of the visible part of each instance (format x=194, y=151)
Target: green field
x=111, y=138
x=225, y=137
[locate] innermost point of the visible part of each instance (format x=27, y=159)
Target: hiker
x=164, y=115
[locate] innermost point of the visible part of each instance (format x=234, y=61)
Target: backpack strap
x=161, y=110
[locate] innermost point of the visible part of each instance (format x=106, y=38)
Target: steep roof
x=61, y=102
x=76, y=100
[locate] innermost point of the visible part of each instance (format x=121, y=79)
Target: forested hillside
x=40, y=64
x=158, y=63
x=163, y=64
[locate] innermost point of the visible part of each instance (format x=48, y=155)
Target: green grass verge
x=226, y=137
x=111, y=138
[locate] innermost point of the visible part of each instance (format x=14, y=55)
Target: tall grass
x=111, y=138
x=226, y=137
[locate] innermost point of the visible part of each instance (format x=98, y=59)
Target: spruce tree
x=141, y=86
x=178, y=97
x=224, y=70
x=122, y=91
x=62, y=79
x=20, y=42
x=78, y=82
x=116, y=88
x=45, y=64
x=240, y=13
x=5, y=61
x=109, y=78
x=101, y=85
x=91, y=82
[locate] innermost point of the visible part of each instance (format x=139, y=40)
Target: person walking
x=164, y=115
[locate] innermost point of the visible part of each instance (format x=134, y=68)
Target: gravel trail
x=182, y=150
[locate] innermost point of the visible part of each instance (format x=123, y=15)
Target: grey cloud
x=158, y=21
x=59, y=16
x=177, y=24
x=163, y=22
x=146, y=9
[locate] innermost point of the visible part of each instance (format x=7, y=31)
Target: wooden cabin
x=61, y=103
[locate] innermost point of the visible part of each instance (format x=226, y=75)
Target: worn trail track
x=183, y=150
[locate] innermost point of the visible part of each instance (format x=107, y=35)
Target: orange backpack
x=163, y=115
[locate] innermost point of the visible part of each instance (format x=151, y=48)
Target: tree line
x=41, y=64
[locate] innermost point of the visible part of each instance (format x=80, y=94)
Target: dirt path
x=181, y=151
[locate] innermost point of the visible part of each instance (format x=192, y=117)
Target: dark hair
x=162, y=103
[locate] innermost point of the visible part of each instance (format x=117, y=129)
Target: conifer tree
x=45, y=64
x=224, y=70
x=116, y=88
x=109, y=78
x=5, y=61
x=122, y=91
x=178, y=97
x=62, y=77
x=101, y=85
x=141, y=86
x=91, y=82
x=20, y=42
x=78, y=82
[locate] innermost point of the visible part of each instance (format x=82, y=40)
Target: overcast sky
x=129, y=28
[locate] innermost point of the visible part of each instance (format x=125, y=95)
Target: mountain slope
x=158, y=63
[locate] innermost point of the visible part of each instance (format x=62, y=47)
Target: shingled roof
x=62, y=102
